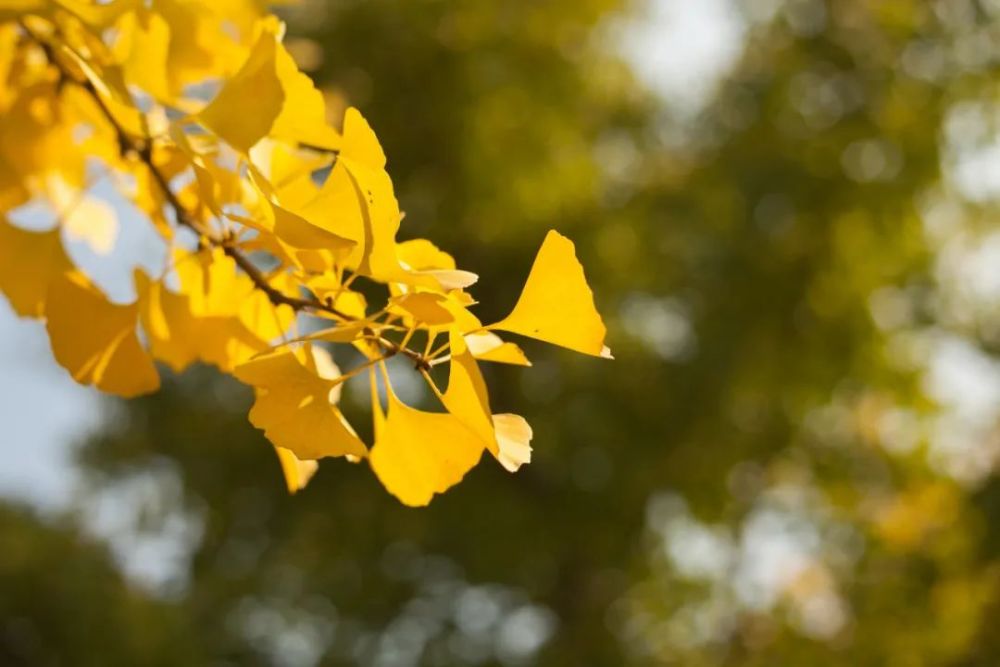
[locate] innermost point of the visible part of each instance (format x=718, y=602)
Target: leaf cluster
x=276, y=229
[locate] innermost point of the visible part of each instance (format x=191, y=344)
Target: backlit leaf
x=412, y=464
x=95, y=340
x=29, y=263
x=514, y=440
x=295, y=406
x=296, y=471
x=556, y=305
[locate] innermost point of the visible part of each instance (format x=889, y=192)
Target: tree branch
x=142, y=149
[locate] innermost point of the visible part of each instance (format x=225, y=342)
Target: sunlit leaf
x=556, y=305
x=513, y=440
x=297, y=392
x=296, y=471
x=95, y=340
x=413, y=466
x=29, y=263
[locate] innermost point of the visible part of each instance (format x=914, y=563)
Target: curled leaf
x=514, y=440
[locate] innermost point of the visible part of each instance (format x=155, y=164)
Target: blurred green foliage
x=767, y=474
x=65, y=603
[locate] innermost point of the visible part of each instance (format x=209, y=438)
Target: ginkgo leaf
x=296, y=471
x=296, y=392
x=418, y=454
x=202, y=43
x=285, y=102
x=423, y=307
x=256, y=84
x=361, y=192
x=361, y=157
x=291, y=228
x=487, y=346
x=288, y=170
x=448, y=279
x=423, y=257
x=144, y=53
x=514, y=440
x=109, y=85
x=217, y=187
x=331, y=291
x=95, y=340
x=466, y=396
x=216, y=288
x=178, y=337
x=556, y=305
x=421, y=254
x=263, y=318
x=303, y=117
x=212, y=281
x=434, y=311
x=29, y=262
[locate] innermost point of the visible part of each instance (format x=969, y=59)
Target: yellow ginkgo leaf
x=264, y=319
x=303, y=117
x=418, y=454
x=297, y=472
x=178, y=337
x=109, y=85
x=295, y=407
x=144, y=50
x=95, y=340
x=487, y=346
x=217, y=288
x=421, y=254
x=330, y=290
x=217, y=186
x=256, y=84
x=357, y=202
x=466, y=397
x=291, y=228
x=203, y=42
x=360, y=191
x=29, y=262
x=514, y=440
x=212, y=281
x=422, y=307
x=556, y=305
x=437, y=312
x=362, y=158
x=285, y=102
x=289, y=170
x=423, y=257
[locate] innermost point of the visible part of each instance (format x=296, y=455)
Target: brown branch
x=142, y=149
